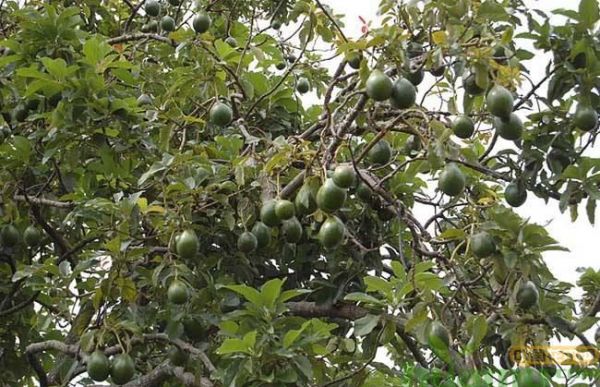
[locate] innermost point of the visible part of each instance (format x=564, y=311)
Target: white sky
x=580, y=236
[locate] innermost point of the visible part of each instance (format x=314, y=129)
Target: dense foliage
x=175, y=211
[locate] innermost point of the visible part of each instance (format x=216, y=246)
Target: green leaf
x=590, y=209
x=23, y=148
x=364, y=325
x=588, y=13
x=377, y=284
x=492, y=10
x=247, y=292
x=270, y=291
x=363, y=297
x=477, y=328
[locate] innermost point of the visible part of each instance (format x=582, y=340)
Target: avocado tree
x=176, y=210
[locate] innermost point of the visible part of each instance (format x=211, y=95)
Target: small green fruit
x=303, y=86
x=527, y=295
x=515, y=195
x=500, y=102
x=167, y=23
x=380, y=153
x=268, y=215
x=187, y=244
x=275, y=24
x=220, y=114
x=331, y=233
x=284, y=209
x=452, y=181
x=292, y=230
x=231, y=41
x=98, y=366
x=280, y=66
x=364, y=192
x=470, y=85
x=330, y=197
x=585, y=118
x=177, y=293
x=379, y=86
x=404, y=94
x=262, y=233
x=509, y=129
x=463, y=127
x=354, y=58
x=201, y=23
x=247, y=242
x=122, y=369
x=152, y=8
x=483, y=244
x=416, y=77
x=344, y=176
x=9, y=236
x=32, y=236
x=151, y=26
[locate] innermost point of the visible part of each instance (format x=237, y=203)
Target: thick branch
x=44, y=202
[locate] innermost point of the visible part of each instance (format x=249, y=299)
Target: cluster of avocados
x=121, y=368
x=10, y=236
x=201, y=22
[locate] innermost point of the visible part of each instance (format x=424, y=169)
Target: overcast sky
x=580, y=236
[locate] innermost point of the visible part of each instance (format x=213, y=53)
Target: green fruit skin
x=438, y=71
x=292, y=230
x=201, y=23
x=452, y=181
x=438, y=337
x=152, y=8
x=558, y=160
x=500, y=102
x=331, y=233
x=303, y=86
x=9, y=236
x=530, y=377
x=98, y=366
x=177, y=357
x=471, y=87
x=510, y=129
x=122, y=369
x=32, y=236
x=514, y=195
x=364, y=193
x=167, y=23
x=330, y=197
x=416, y=78
x=483, y=244
x=220, y=114
x=284, y=209
x=463, y=127
x=380, y=153
x=404, y=94
x=527, y=295
x=187, y=244
x=231, y=41
x=268, y=215
x=280, y=66
x=177, y=293
x=275, y=24
x=262, y=233
x=344, y=176
x=306, y=201
x=354, y=59
x=247, y=242
x=379, y=86
x=586, y=118
x=151, y=26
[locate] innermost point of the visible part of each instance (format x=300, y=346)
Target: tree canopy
x=231, y=193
